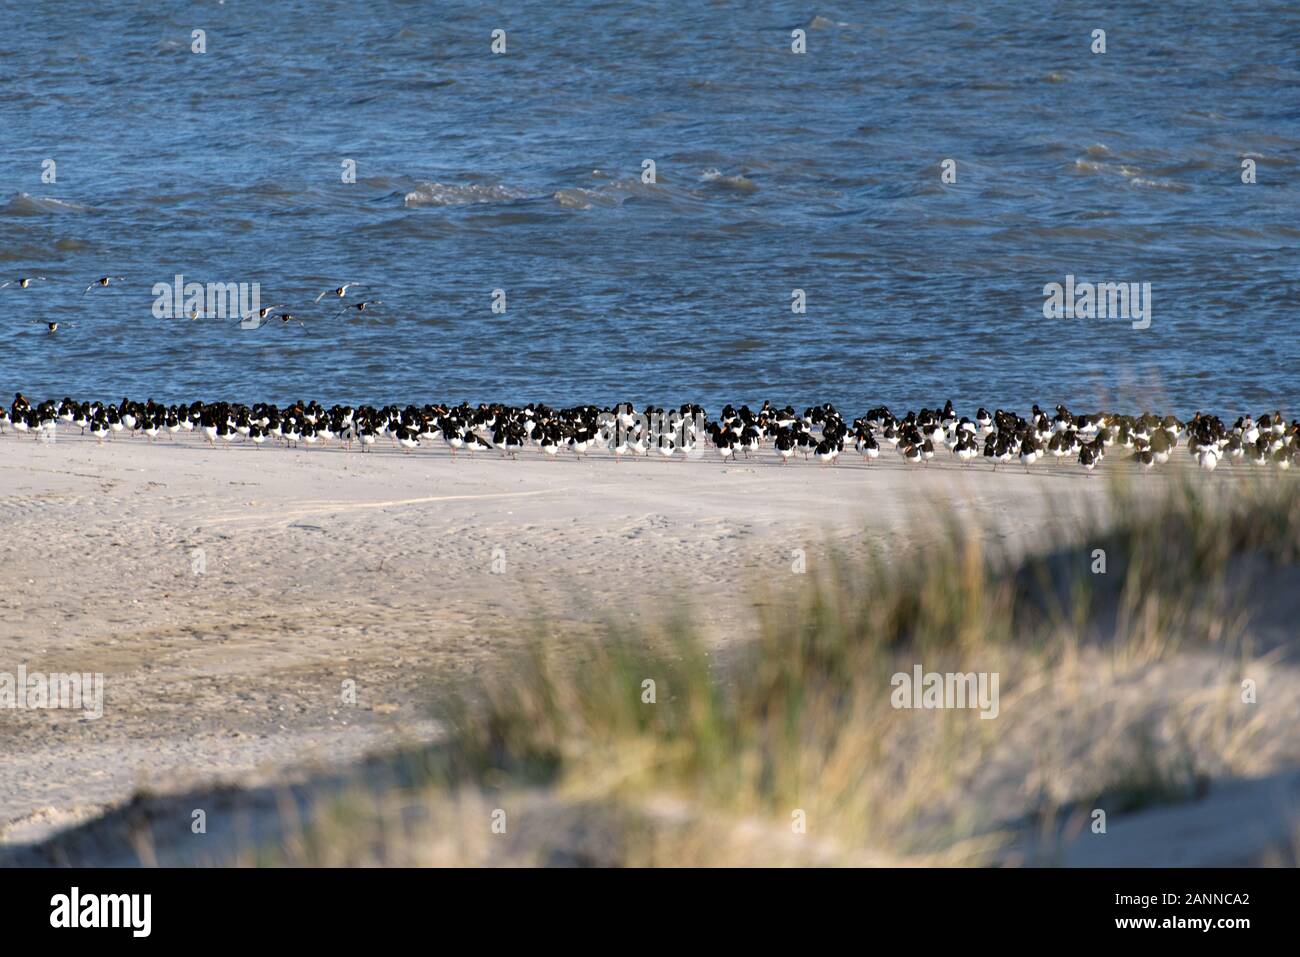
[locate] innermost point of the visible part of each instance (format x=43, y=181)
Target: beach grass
x=1119, y=648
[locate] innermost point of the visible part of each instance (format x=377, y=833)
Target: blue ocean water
x=775, y=171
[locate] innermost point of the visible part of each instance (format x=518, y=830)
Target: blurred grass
x=791, y=722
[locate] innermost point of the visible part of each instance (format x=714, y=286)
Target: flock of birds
x=265, y=315
x=819, y=433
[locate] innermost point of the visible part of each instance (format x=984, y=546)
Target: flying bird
x=359, y=306
x=260, y=313
x=284, y=317
x=104, y=281
x=23, y=281
x=339, y=291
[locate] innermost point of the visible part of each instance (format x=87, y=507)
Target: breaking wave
x=443, y=194
x=24, y=204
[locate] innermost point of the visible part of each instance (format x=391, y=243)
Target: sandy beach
x=323, y=565
x=229, y=594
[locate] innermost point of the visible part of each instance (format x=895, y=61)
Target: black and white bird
x=337, y=291
x=359, y=306
x=966, y=449
x=104, y=281
x=261, y=313
x=867, y=446
x=285, y=318
x=784, y=445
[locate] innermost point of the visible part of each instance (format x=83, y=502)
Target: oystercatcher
x=104, y=281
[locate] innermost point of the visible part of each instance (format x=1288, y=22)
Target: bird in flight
x=359, y=306
x=260, y=313
x=104, y=281
x=339, y=291
x=23, y=281
x=51, y=325
x=284, y=317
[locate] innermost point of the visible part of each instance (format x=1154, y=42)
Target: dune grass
x=664, y=746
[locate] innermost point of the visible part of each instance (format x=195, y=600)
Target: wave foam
x=25, y=204
x=740, y=183
x=442, y=194
x=576, y=197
